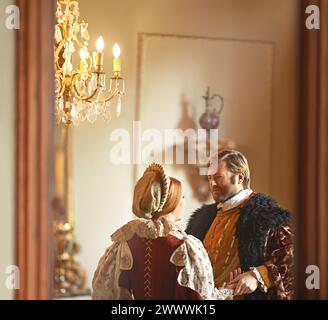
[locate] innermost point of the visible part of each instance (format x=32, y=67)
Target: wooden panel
x=34, y=144
x=313, y=204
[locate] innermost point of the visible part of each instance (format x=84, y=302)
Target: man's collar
x=235, y=200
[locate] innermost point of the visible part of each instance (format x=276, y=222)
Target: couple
x=238, y=247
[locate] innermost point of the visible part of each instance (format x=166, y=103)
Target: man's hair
x=236, y=163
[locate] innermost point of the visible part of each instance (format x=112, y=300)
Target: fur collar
x=257, y=217
x=267, y=208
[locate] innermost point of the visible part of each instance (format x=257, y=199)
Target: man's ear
x=241, y=178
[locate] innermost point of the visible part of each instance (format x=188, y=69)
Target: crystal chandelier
x=81, y=94
x=81, y=91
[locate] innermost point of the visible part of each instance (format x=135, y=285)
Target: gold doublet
x=221, y=244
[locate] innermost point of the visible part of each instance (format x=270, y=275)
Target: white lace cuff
x=261, y=283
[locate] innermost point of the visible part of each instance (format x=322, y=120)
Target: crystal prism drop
x=118, y=108
x=107, y=117
x=92, y=114
x=100, y=107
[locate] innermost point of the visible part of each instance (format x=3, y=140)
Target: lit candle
x=98, y=57
x=100, y=44
x=116, y=60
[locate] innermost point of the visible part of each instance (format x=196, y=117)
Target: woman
x=151, y=257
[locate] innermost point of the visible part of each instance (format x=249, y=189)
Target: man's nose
x=212, y=182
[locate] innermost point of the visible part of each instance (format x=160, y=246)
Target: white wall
x=7, y=144
x=175, y=73
x=103, y=191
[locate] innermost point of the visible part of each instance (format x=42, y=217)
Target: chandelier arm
x=62, y=90
x=111, y=96
x=89, y=64
x=60, y=84
x=79, y=95
x=76, y=38
x=58, y=49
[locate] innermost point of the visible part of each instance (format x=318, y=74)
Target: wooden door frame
x=34, y=148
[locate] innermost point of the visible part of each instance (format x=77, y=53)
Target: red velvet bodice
x=153, y=276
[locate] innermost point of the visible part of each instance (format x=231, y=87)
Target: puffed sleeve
x=195, y=270
x=105, y=282
x=280, y=262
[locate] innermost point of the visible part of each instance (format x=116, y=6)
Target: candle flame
x=116, y=51
x=100, y=44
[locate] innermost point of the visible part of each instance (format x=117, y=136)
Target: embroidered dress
x=154, y=259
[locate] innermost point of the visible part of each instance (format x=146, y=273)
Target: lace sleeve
x=105, y=282
x=196, y=271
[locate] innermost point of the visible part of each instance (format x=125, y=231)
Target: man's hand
x=244, y=283
x=232, y=275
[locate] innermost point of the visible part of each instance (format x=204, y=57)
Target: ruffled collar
x=147, y=228
x=236, y=200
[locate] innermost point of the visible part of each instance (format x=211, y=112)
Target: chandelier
x=81, y=91
x=81, y=94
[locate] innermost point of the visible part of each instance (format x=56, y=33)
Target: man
x=245, y=232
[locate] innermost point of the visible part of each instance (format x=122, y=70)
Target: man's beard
x=223, y=196
x=226, y=192
x=219, y=197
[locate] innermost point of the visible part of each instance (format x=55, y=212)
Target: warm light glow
x=116, y=51
x=100, y=44
x=80, y=78
x=83, y=54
